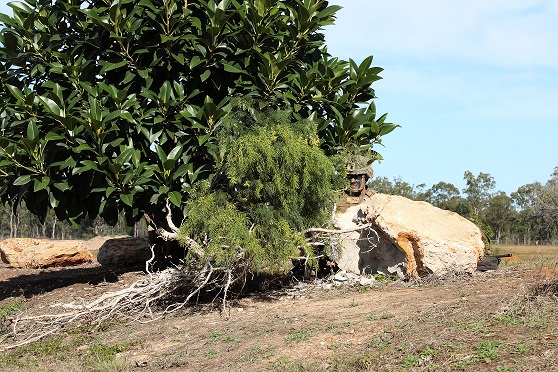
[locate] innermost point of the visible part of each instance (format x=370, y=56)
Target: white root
x=141, y=300
x=171, y=224
x=133, y=303
x=331, y=231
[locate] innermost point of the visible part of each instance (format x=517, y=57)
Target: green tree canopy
x=479, y=190
x=114, y=107
x=396, y=187
x=499, y=213
x=446, y=196
x=546, y=207
x=274, y=182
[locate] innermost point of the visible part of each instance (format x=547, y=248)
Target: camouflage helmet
x=359, y=166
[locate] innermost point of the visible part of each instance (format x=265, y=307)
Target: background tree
x=527, y=224
x=112, y=107
x=479, y=190
x=499, y=214
x=446, y=196
x=546, y=207
x=396, y=187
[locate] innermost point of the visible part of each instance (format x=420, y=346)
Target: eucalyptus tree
x=546, y=208
x=112, y=107
x=499, y=214
x=446, y=196
x=527, y=223
x=397, y=186
x=479, y=190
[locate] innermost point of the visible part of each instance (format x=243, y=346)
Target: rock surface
x=40, y=253
x=124, y=251
x=407, y=238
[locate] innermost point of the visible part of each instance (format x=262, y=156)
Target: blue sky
x=473, y=84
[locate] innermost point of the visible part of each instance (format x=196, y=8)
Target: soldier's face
x=355, y=183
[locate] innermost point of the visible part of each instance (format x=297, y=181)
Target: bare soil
x=503, y=320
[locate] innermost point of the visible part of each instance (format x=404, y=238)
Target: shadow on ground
x=29, y=284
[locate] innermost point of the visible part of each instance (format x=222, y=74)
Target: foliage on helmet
x=359, y=165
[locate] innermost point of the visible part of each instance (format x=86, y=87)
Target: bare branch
x=173, y=228
x=166, y=235
x=149, y=221
x=328, y=231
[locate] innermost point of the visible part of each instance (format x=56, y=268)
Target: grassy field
x=533, y=256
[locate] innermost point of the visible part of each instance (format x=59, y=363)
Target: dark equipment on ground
x=491, y=262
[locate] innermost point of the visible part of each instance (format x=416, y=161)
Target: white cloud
x=496, y=32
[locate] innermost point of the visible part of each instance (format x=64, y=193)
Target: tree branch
x=328, y=231
x=173, y=228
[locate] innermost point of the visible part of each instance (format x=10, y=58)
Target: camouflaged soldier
x=358, y=173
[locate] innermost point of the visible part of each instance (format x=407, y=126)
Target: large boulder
x=40, y=253
x=407, y=238
x=124, y=251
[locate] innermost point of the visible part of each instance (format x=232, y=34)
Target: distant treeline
x=526, y=216
x=21, y=223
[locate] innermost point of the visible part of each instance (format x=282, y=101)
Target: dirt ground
x=502, y=320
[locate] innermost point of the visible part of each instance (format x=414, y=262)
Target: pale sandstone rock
x=124, y=251
x=38, y=253
x=408, y=238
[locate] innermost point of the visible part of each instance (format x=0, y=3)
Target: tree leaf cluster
x=112, y=107
x=274, y=181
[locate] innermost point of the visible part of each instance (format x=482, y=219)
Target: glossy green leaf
x=50, y=105
x=18, y=5
x=108, y=66
x=62, y=186
x=40, y=183
x=15, y=92
x=22, y=180
x=127, y=199
x=175, y=153
x=231, y=68
x=32, y=130
x=165, y=92
x=52, y=136
x=175, y=198
x=161, y=153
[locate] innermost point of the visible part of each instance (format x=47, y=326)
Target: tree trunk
x=53, y=226
x=16, y=224
x=11, y=223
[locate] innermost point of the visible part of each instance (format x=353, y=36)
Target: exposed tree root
x=151, y=297
x=144, y=300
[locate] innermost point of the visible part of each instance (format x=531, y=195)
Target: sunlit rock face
x=40, y=253
x=407, y=238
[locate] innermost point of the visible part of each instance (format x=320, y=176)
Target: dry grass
x=494, y=321
x=529, y=252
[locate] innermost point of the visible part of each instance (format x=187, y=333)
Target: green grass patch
x=522, y=348
x=298, y=335
x=106, y=353
x=7, y=310
x=210, y=353
x=25, y=356
x=379, y=342
x=353, y=362
x=487, y=350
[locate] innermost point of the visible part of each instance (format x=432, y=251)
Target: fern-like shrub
x=273, y=182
